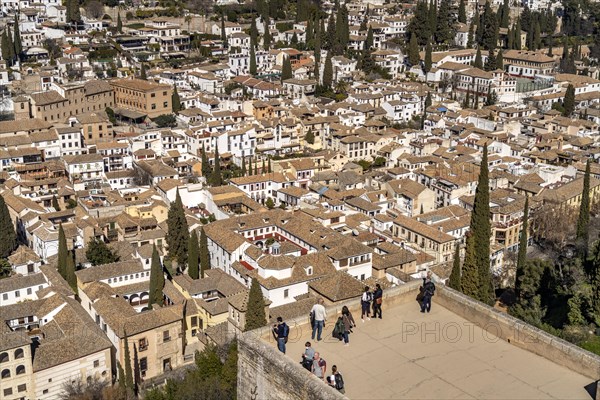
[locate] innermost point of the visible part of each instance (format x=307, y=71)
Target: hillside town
x=163, y=163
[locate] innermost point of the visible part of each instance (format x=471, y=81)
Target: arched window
x=5, y=373
x=20, y=370
x=3, y=357
x=19, y=353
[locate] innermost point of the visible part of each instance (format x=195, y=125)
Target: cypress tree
x=536, y=40
x=328, y=72
x=522, y=255
x=122, y=379
x=252, y=59
x=215, y=178
x=490, y=63
x=517, y=42
x=176, y=100
x=469, y=280
x=55, y=203
x=71, y=278
x=478, y=62
x=331, y=36
x=269, y=170
x=413, y=51
x=428, y=62
x=470, y=35
x=17, y=39
x=250, y=170
x=481, y=228
x=8, y=236
x=583, y=221
x=462, y=12
x=255, y=167
x=253, y=31
x=143, y=72
x=63, y=252
x=432, y=18
x=205, y=165
x=193, y=256
x=505, y=14
x=286, y=69
x=455, y=280
x=369, y=40
x=157, y=280
x=127, y=360
x=309, y=137
x=204, y=255
x=263, y=169
x=569, y=101
x=5, y=48
x=119, y=23
x=255, y=314
x=11, y=48
x=443, y=33
x=243, y=166
x=510, y=38
x=177, y=232
x=500, y=61
x=267, y=39
x=223, y=34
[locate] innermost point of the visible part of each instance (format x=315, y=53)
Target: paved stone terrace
x=409, y=355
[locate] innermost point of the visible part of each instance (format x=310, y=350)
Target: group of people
x=313, y=362
x=371, y=300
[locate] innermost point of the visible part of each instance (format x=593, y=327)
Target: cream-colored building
x=143, y=97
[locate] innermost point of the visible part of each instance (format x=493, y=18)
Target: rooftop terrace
x=462, y=349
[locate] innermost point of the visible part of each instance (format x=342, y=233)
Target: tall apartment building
x=147, y=98
x=63, y=101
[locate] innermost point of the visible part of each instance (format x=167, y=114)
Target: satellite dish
x=355, y=232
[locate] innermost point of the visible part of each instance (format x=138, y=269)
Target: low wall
x=519, y=333
x=264, y=373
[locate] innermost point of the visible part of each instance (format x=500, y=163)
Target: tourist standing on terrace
x=365, y=302
x=319, y=315
x=319, y=367
x=377, y=300
x=348, y=324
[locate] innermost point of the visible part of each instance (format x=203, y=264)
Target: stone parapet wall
x=519, y=333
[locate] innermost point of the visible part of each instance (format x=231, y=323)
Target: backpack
x=339, y=381
x=369, y=297
x=430, y=288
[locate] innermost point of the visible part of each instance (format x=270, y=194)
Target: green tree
x=470, y=274
x=500, y=61
x=269, y=170
x=176, y=100
x=55, y=203
x=177, y=232
x=250, y=170
x=253, y=31
x=444, y=32
x=5, y=268
x=523, y=240
x=122, y=379
x=482, y=232
x=143, y=72
x=193, y=256
x=505, y=14
x=71, y=278
x=223, y=33
x=8, y=236
x=216, y=179
x=491, y=98
x=569, y=101
x=369, y=41
x=286, y=69
x=253, y=69
x=267, y=38
x=17, y=39
x=6, y=50
x=428, y=62
x=255, y=314
x=98, y=253
x=478, y=63
x=413, y=51
x=331, y=37
x=270, y=203
x=205, y=164
x=204, y=254
x=462, y=12
x=63, y=252
x=119, y=23
x=157, y=280
x=594, y=266
x=208, y=363
x=455, y=279
x=129, y=384
x=490, y=63
x=229, y=371
x=243, y=169
x=583, y=221
x=517, y=32
x=328, y=72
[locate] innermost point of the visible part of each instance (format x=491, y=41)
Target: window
x=143, y=344
x=20, y=370
x=3, y=357
x=153, y=106
x=7, y=391
x=19, y=353
x=166, y=336
x=17, y=293
x=5, y=373
x=5, y=296
x=143, y=365
x=166, y=104
x=45, y=391
x=96, y=363
x=29, y=291
x=194, y=321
